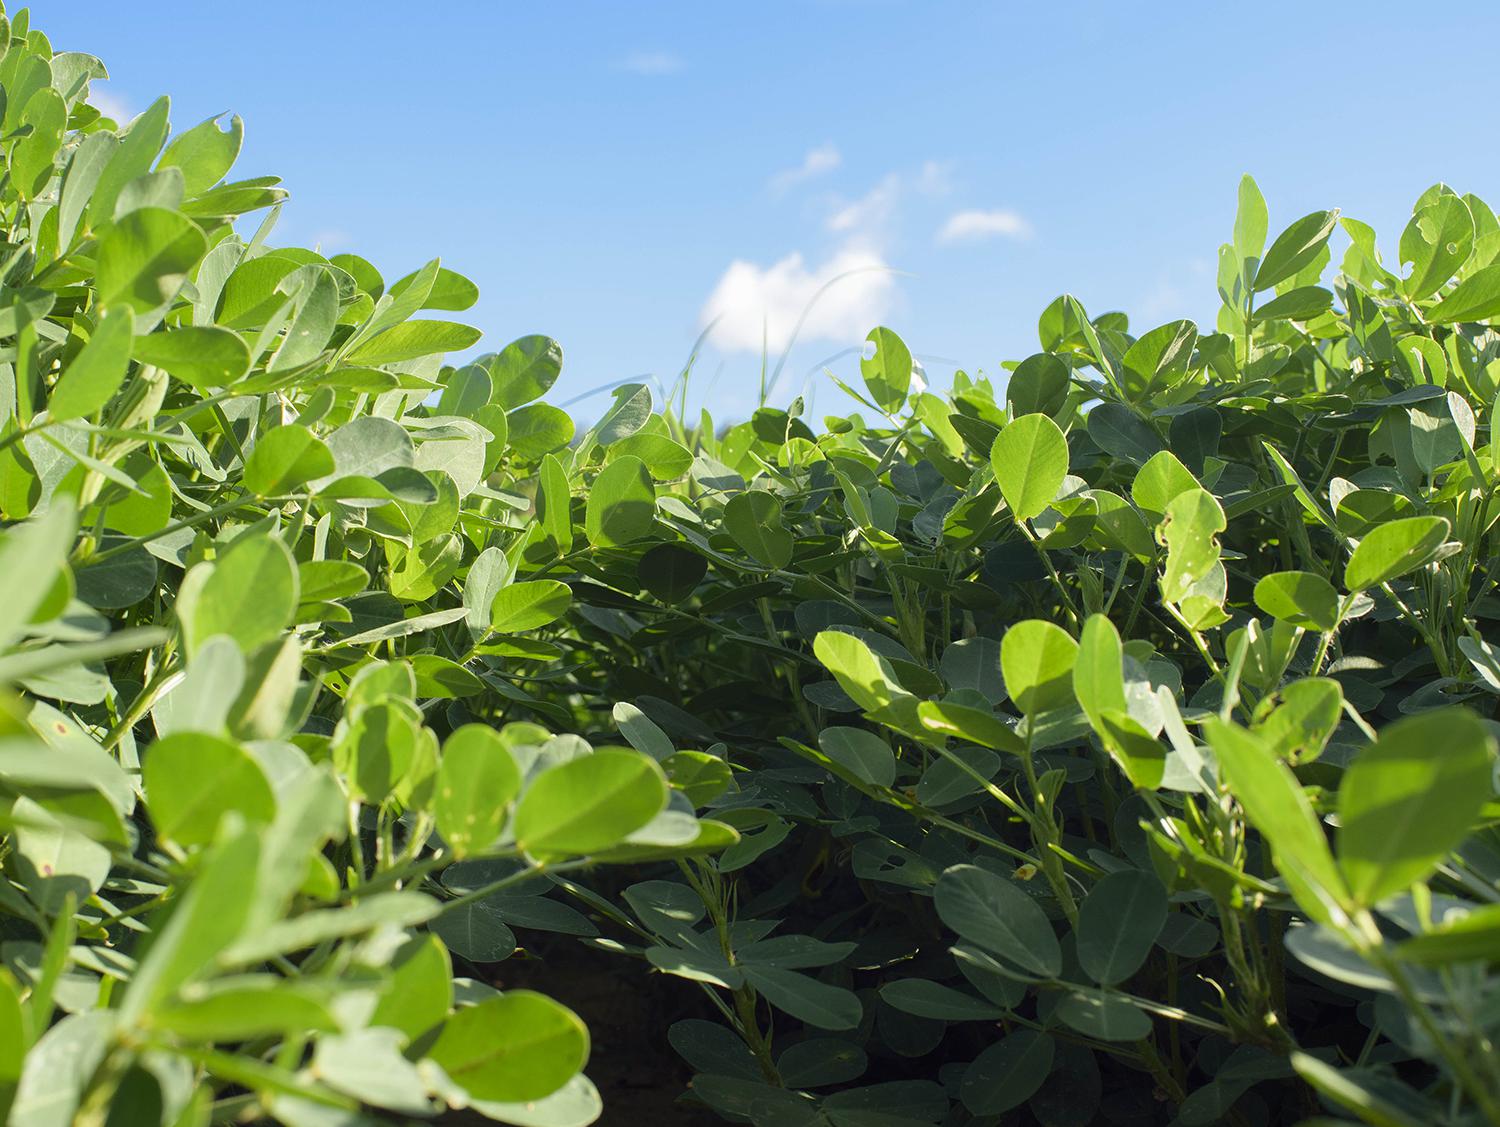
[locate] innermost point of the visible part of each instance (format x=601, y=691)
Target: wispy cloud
x=872, y=214
x=652, y=64
x=935, y=178
x=971, y=226
x=109, y=103
x=825, y=158
x=756, y=305
x=331, y=240
x=872, y=211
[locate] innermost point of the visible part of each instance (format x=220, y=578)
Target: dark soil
x=628, y=1010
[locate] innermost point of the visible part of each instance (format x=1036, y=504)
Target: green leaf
x=671, y=572
x=315, y=311
x=97, y=372
x=488, y=575
x=1008, y=1073
x=1118, y=923
x=866, y=677
x=1289, y=475
x=1098, y=671
x=33, y=555
x=1437, y=241
x=1037, y=658
x=59, y=1068
x=438, y=677
x=1294, y=249
x=1279, y=809
x=1300, y=726
x=1301, y=304
x=993, y=913
x=1251, y=224
x=523, y=607
x=1410, y=798
x=517, y=1046
x=864, y=753
x=319, y=580
x=204, y=357
x=1030, y=460
x=284, y=458
x=13, y=1041
x=1390, y=550
x=383, y=909
x=368, y=1064
x=555, y=504
x=1471, y=936
x=1300, y=598
x=210, y=915
x=887, y=374
x=1355, y=1089
x=621, y=504
x=538, y=429
x=477, y=781
x=589, y=804
x=1476, y=298
x=249, y=594
x=32, y=157
x=929, y=999
x=450, y=290
x=524, y=370
x=244, y=1008
x=140, y=142
x=805, y=998
x=1137, y=752
x=1120, y=432
x=698, y=775
x=575, y=1104
x=641, y=732
x=378, y=748
x=193, y=780
x=626, y=415
x=1104, y=1015
x=368, y=446
x=1158, y=358
x=1190, y=531
x=972, y=724
x=420, y=992
x=145, y=257
x=476, y=931
x=1162, y=479
x=1038, y=385
x=753, y=518
x=413, y=340
x=204, y=153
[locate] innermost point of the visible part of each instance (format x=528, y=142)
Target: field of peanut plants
x=1106, y=741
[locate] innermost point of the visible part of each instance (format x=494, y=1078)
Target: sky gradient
x=616, y=175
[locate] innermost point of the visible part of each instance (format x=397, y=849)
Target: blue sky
x=614, y=174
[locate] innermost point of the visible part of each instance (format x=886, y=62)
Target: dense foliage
x=1105, y=743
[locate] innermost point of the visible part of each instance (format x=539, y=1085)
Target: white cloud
x=968, y=226
x=871, y=211
x=1160, y=301
x=758, y=305
x=331, y=241
x=110, y=104
x=825, y=158
x=652, y=64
